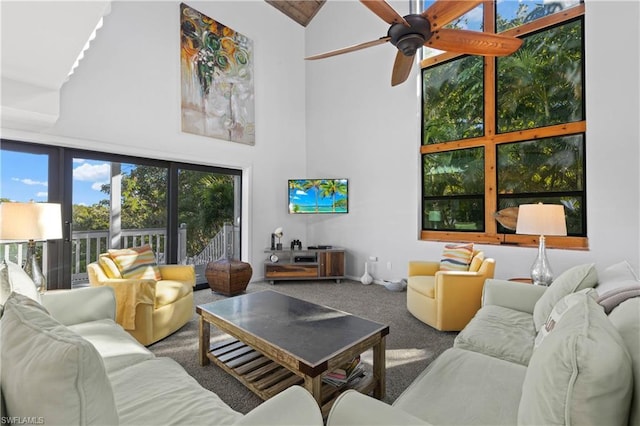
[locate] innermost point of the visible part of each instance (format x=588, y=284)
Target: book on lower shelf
x=348, y=373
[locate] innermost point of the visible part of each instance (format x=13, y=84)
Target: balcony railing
x=86, y=246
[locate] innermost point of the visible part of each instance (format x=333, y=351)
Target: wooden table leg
x=314, y=386
x=205, y=338
x=379, y=368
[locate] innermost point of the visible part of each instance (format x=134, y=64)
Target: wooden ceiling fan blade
x=442, y=12
x=384, y=11
x=353, y=48
x=473, y=42
x=401, y=68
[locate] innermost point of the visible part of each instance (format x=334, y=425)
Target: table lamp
x=32, y=222
x=541, y=219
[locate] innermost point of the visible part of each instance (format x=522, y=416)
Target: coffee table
x=276, y=341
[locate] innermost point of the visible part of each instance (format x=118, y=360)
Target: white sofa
x=65, y=361
x=585, y=369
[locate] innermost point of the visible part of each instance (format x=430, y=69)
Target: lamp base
x=33, y=270
x=541, y=273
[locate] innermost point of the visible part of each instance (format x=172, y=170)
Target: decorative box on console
x=229, y=277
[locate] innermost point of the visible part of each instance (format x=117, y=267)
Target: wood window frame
x=491, y=139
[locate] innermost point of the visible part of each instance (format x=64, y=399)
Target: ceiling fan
x=412, y=31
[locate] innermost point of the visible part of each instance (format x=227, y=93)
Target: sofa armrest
x=81, y=305
x=510, y=294
x=354, y=408
x=423, y=267
x=291, y=407
x=182, y=273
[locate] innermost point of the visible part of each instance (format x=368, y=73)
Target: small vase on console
x=366, y=279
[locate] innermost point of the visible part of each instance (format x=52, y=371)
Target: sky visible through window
x=507, y=9
x=24, y=177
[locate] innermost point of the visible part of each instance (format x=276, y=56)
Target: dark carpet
x=411, y=345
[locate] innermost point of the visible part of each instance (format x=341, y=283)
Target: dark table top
x=310, y=332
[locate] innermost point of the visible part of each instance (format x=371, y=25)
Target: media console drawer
x=304, y=264
x=291, y=270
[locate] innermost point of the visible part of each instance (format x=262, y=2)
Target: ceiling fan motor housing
x=409, y=39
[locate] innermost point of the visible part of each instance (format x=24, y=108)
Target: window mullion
x=490, y=179
x=490, y=185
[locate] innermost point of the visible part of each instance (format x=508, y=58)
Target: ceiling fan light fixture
x=410, y=43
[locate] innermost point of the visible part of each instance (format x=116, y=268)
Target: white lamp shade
x=278, y=232
x=30, y=221
x=541, y=219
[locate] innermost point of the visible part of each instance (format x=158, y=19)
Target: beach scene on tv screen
x=318, y=196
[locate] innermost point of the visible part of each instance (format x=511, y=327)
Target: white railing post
x=182, y=243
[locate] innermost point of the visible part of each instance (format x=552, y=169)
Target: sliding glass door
x=188, y=213
x=208, y=217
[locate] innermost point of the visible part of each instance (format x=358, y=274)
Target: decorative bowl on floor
x=396, y=284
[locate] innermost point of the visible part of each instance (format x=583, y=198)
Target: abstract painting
x=217, y=79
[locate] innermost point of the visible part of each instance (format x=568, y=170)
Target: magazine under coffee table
x=277, y=341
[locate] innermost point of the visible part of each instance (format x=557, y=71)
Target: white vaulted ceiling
x=54, y=32
x=40, y=42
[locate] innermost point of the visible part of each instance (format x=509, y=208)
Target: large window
x=500, y=132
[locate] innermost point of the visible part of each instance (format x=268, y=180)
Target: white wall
x=125, y=98
x=361, y=128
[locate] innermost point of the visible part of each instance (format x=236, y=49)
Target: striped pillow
x=109, y=266
x=136, y=262
x=456, y=257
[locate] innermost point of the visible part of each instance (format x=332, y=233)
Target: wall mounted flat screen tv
x=317, y=196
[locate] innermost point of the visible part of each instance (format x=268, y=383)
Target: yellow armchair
x=150, y=310
x=447, y=300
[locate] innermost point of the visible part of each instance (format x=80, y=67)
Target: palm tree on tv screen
x=315, y=185
x=331, y=187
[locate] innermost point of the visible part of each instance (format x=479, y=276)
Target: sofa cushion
x=423, y=284
x=117, y=348
x=169, y=291
x=580, y=373
x=109, y=266
x=570, y=281
x=159, y=392
x=13, y=278
x=136, y=262
x=456, y=257
x=626, y=319
x=611, y=299
x=616, y=276
x=558, y=311
x=499, y=332
x=465, y=388
x=55, y=374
